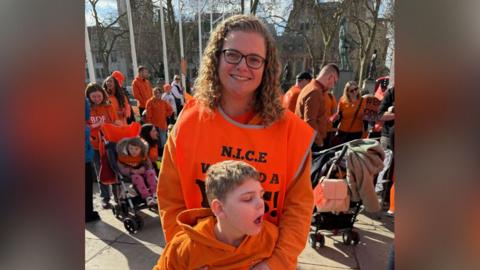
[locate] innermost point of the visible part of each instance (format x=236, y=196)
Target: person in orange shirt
x=101, y=112
x=351, y=108
x=230, y=235
x=118, y=98
x=157, y=112
x=290, y=98
x=142, y=88
x=236, y=113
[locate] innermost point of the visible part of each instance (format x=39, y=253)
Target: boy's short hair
x=225, y=176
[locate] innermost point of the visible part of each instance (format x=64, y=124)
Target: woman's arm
x=294, y=224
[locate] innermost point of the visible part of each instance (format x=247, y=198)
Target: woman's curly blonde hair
x=208, y=90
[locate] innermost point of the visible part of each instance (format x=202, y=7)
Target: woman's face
x=352, y=91
x=154, y=134
x=239, y=81
x=110, y=85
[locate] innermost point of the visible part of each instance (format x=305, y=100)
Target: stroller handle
x=342, y=154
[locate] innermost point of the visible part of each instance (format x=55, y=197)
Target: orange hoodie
x=280, y=152
x=142, y=91
x=196, y=245
x=122, y=113
x=290, y=98
x=99, y=113
x=157, y=112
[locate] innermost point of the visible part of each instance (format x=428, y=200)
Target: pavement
x=109, y=246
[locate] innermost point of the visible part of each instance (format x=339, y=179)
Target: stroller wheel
x=130, y=225
x=312, y=239
x=347, y=237
x=355, y=238
x=322, y=240
x=139, y=221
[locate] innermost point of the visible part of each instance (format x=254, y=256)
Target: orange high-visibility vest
x=278, y=152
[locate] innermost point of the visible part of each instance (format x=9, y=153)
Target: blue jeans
x=162, y=135
x=104, y=189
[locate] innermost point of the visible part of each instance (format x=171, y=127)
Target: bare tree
x=366, y=26
x=107, y=33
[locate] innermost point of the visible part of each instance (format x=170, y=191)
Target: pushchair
x=331, y=163
x=127, y=199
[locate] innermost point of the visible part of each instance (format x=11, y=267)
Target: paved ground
x=109, y=246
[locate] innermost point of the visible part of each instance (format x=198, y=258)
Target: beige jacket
x=364, y=160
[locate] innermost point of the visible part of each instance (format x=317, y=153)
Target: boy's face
x=158, y=94
x=244, y=208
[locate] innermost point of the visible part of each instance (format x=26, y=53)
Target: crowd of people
x=235, y=167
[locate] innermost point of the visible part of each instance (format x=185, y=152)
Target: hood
x=123, y=155
x=198, y=224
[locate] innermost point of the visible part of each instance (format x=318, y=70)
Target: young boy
x=232, y=233
x=157, y=112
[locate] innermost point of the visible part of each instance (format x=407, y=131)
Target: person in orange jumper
x=351, y=107
x=290, y=98
x=118, y=98
x=101, y=111
x=230, y=235
x=157, y=112
x=142, y=89
x=236, y=113
x=311, y=102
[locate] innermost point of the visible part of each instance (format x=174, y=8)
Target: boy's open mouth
x=258, y=220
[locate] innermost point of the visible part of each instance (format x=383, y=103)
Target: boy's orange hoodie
x=196, y=245
x=157, y=112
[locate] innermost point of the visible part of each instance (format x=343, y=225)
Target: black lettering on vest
x=238, y=155
x=205, y=167
x=249, y=155
x=201, y=186
x=262, y=177
x=227, y=151
x=274, y=179
x=267, y=196
x=261, y=157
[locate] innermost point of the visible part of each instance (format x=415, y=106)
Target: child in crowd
x=133, y=162
x=101, y=111
x=232, y=233
x=157, y=112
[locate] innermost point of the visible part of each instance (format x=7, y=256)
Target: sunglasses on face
x=235, y=57
x=353, y=90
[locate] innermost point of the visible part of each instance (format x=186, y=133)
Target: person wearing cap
x=290, y=98
x=311, y=102
x=142, y=88
x=177, y=91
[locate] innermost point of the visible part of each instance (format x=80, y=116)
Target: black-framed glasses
x=235, y=57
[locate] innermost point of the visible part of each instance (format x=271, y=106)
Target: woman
x=236, y=114
x=351, y=108
x=118, y=98
x=150, y=134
